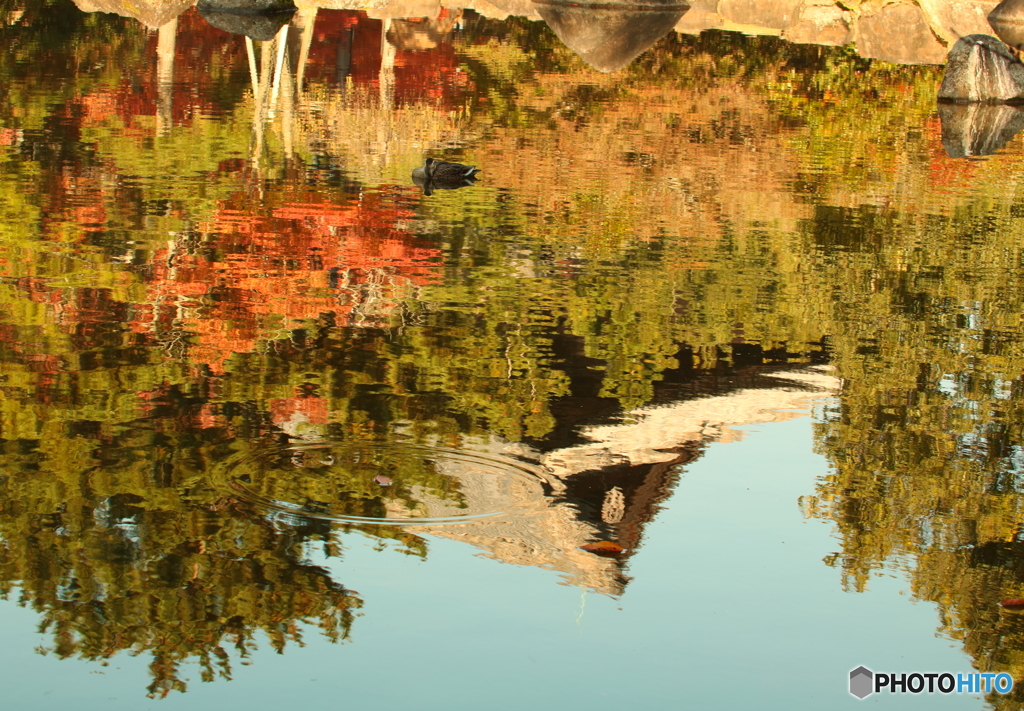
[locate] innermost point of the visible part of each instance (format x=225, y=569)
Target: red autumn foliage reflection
x=247, y=271
x=347, y=46
x=269, y=271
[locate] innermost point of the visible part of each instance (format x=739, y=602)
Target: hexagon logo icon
x=861, y=682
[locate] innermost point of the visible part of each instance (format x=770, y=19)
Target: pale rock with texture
x=382, y=9
x=151, y=13
x=499, y=9
x=982, y=69
x=777, y=14
x=702, y=15
x=898, y=33
x=820, y=22
x=952, y=19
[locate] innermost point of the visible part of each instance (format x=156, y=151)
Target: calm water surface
x=707, y=391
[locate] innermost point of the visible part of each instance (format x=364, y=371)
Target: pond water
x=706, y=390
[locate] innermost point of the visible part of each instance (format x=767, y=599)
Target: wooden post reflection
x=250, y=51
x=386, y=78
x=281, y=43
x=288, y=99
x=304, y=21
x=166, y=36
x=260, y=105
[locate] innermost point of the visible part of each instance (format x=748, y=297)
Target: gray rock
x=978, y=129
x=608, y=35
x=1007, y=19
x=257, y=19
x=248, y=7
x=1012, y=33
x=980, y=68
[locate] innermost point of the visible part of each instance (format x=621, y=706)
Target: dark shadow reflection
x=430, y=185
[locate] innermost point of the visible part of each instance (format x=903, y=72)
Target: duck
x=443, y=170
x=443, y=175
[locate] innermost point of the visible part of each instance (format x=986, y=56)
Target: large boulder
x=608, y=36
x=897, y=33
x=702, y=15
x=952, y=19
x=980, y=68
x=820, y=23
x=1007, y=20
x=256, y=19
x=151, y=13
x=774, y=14
x=978, y=129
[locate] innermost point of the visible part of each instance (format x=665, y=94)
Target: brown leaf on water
x=1013, y=604
x=603, y=548
x=382, y=480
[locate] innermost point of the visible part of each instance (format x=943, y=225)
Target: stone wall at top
x=898, y=31
x=901, y=32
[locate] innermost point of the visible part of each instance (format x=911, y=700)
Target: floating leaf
x=382, y=480
x=603, y=548
x=1014, y=604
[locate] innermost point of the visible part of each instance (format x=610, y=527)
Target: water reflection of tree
x=926, y=443
x=149, y=573
x=115, y=530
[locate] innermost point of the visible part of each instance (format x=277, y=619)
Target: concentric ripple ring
x=383, y=483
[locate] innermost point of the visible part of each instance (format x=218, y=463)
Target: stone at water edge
x=258, y=20
x=1007, y=19
x=609, y=34
x=982, y=68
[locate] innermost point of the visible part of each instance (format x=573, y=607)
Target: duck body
x=443, y=170
x=442, y=175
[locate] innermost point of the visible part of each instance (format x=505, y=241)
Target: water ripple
x=383, y=483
